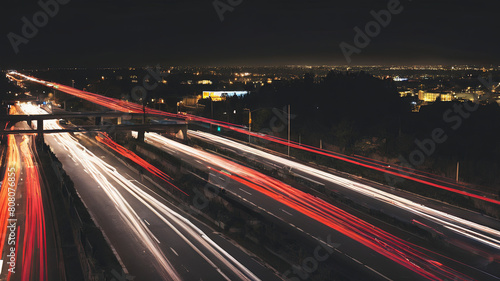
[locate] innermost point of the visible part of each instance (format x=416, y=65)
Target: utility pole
x=458, y=167
x=212, y=111
x=288, y=130
x=212, y=107
x=249, y=124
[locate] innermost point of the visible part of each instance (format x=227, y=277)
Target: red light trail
x=110, y=180
x=450, y=222
x=34, y=240
x=390, y=246
x=397, y=250
x=356, y=162
x=386, y=244
x=33, y=260
x=124, y=106
x=14, y=168
x=105, y=139
x=34, y=255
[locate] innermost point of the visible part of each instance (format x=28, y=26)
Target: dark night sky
x=273, y=32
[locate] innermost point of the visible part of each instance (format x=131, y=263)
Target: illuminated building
x=431, y=97
x=221, y=95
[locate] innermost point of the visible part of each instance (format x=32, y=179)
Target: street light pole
x=212, y=111
x=288, y=130
x=249, y=122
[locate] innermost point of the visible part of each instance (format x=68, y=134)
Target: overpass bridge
x=176, y=127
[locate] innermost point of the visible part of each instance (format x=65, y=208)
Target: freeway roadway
x=373, y=248
x=471, y=231
x=457, y=227
x=397, y=171
x=154, y=240
x=28, y=247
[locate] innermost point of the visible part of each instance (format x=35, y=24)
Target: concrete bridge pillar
x=140, y=135
x=39, y=129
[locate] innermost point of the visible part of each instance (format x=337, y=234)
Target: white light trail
x=101, y=171
x=461, y=226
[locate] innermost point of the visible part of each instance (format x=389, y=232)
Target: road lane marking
x=138, y=182
x=72, y=158
x=154, y=237
x=150, y=233
x=174, y=251
x=223, y=275
x=246, y=191
x=286, y=212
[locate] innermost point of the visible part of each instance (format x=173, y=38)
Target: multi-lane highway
x=375, y=250
x=474, y=231
x=397, y=171
x=486, y=235
x=27, y=245
x=311, y=214
x=153, y=240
